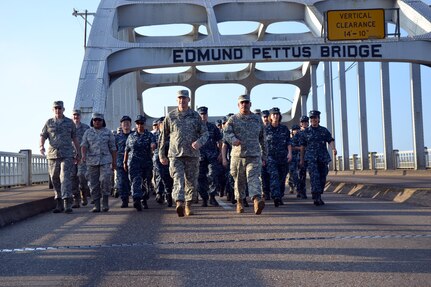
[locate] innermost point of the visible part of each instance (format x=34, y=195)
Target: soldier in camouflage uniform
x=246, y=133
x=163, y=180
x=209, y=162
x=315, y=153
x=100, y=154
x=61, y=133
x=80, y=187
x=302, y=172
x=187, y=135
x=279, y=155
x=122, y=178
x=138, y=161
x=293, y=165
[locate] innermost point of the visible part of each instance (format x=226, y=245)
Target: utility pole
x=84, y=15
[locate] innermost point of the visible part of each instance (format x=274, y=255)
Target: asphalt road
x=393, y=181
x=347, y=242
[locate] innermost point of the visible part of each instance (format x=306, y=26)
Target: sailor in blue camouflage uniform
x=63, y=147
x=315, y=153
x=138, y=161
x=187, y=133
x=209, y=162
x=100, y=155
x=163, y=180
x=265, y=175
x=279, y=155
x=293, y=165
x=122, y=178
x=80, y=187
x=301, y=191
x=246, y=133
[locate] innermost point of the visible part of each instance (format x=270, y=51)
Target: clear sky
x=41, y=53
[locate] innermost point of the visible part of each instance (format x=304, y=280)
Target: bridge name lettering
x=202, y=55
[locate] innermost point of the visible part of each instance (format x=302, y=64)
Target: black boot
x=204, y=202
x=169, y=199
x=96, y=207
x=213, y=201
x=124, y=203
x=144, y=203
x=245, y=203
x=105, y=203
x=137, y=204
x=59, y=207
x=277, y=202
x=68, y=205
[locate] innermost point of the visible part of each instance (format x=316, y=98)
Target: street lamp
x=283, y=99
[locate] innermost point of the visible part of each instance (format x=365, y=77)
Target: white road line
x=226, y=206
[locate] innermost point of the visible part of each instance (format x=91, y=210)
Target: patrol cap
x=76, y=112
x=125, y=118
x=183, y=93
x=265, y=113
x=274, y=110
x=244, y=98
x=156, y=122
x=304, y=119
x=97, y=116
x=314, y=113
x=161, y=120
x=296, y=127
x=257, y=111
x=140, y=119
x=224, y=119
x=58, y=104
x=218, y=122
x=203, y=110
x=229, y=115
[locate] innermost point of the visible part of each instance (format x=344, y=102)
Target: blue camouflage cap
x=265, y=113
x=304, y=119
x=140, y=119
x=274, y=110
x=203, y=110
x=314, y=113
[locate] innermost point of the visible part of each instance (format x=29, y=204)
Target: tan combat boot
x=259, y=205
x=239, y=206
x=180, y=208
x=189, y=208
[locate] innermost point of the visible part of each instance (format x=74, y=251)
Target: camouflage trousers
x=100, y=180
x=162, y=179
x=318, y=172
x=79, y=181
x=277, y=170
x=60, y=171
x=246, y=171
x=293, y=173
x=122, y=182
x=265, y=181
x=140, y=174
x=184, y=171
x=302, y=176
x=208, y=180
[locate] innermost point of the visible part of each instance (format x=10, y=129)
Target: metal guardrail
x=22, y=168
x=402, y=160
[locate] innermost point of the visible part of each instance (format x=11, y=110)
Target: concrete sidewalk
x=23, y=202
x=403, y=186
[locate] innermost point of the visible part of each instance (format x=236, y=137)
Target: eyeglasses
x=97, y=120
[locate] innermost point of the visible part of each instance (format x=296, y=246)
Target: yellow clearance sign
x=355, y=24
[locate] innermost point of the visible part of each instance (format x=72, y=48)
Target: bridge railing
x=22, y=168
x=402, y=160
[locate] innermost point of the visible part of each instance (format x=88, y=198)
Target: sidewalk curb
x=12, y=214
x=417, y=196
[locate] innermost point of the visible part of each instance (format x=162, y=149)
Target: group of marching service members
x=250, y=153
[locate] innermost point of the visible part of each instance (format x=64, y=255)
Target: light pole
x=283, y=99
